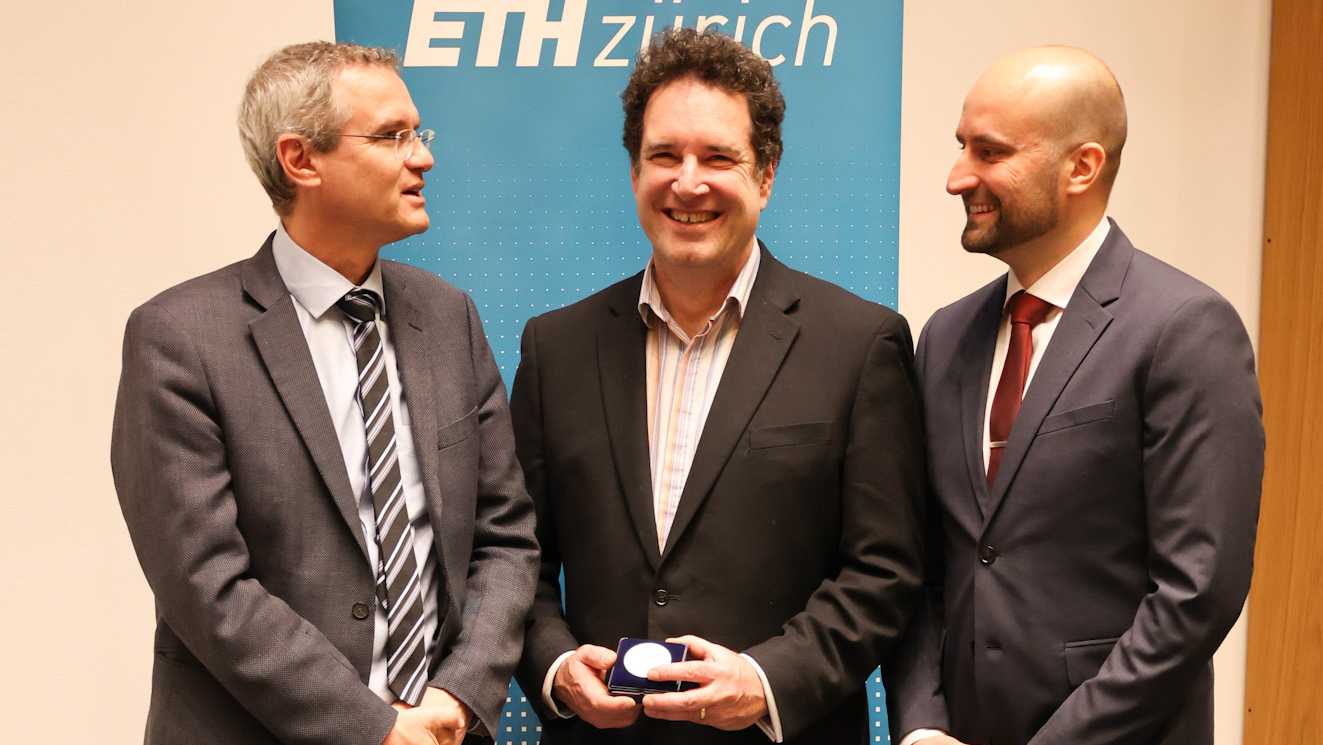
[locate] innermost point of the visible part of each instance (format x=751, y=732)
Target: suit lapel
x=431, y=393
x=284, y=351
x=418, y=379
x=976, y=371
x=765, y=336
x=622, y=369
x=1081, y=324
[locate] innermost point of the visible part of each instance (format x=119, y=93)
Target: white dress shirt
x=315, y=288
x=683, y=373
x=1056, y=287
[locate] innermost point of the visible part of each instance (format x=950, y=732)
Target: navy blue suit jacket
x=1080, y=599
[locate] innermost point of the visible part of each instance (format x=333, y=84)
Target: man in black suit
x=1095, y=447
x=720, y=449
x=313, y=452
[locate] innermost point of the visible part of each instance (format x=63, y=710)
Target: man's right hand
x=422, y=726
x=580, y=686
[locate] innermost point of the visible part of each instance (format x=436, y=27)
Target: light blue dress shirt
x=315, y=288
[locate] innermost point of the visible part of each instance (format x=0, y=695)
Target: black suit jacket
x=1081, y=598
x=795, y=539
x=234, y=489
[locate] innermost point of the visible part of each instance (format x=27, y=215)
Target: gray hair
x=291, y=92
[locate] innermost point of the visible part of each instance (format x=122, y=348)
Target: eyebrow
x=391, y=126
x=984, y=139
x=665, y=145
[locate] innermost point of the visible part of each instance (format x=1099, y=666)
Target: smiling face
x=1009, y=173
x=372, y=193
x=697, y=187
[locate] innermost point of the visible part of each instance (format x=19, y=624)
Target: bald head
x=1041, y=134
x=1068, y=95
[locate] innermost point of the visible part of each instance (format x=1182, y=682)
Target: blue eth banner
x=530, y=201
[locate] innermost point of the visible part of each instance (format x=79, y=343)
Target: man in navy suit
x=1095, y=446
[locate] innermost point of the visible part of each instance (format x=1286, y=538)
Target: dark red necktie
x=1026, y=312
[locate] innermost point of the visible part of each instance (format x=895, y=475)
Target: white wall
x=122, y=175
x=1190, y=190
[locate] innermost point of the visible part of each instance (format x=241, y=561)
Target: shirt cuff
x=547, y=699
x=770, y=724
x=918, y=734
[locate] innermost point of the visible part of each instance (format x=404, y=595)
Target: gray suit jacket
x=1080, y=599
x=234, y=489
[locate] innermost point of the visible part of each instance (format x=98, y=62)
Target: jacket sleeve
x=170, y=468
x=499, y=587
x=913, y=675
x=853, y=620
x=548, y=633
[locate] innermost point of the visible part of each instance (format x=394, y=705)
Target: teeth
x=977, y=209
x=692, y=217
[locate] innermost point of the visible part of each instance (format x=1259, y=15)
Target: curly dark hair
x=714, y=59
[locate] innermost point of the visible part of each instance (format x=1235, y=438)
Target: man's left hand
x=729, y=695
x=450, y=711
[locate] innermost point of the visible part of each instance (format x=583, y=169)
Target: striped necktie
x=398, y=580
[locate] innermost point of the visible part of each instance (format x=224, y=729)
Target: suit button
x=987, y=555
x=360, y=611
x=661, y=597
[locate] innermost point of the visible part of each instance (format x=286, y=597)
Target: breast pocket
x=1078, y=417
x=457, y=431
x=789, y=435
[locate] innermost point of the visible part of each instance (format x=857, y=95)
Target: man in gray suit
x=313, y=451
x=1096, y=449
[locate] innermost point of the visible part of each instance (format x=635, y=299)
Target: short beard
x=1038, y=214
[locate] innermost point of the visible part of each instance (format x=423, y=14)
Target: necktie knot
x=363, y=306
x=1025, y=308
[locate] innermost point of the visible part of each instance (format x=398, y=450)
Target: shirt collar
x=1059, y=283
x=313, y=284
x=650, y=300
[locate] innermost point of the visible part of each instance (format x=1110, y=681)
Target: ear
x=633, y=174
x=1086, y=165
x=296, y=158
x=765, y=187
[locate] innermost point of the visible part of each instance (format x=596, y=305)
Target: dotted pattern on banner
x=519, y=725
x=530, y=201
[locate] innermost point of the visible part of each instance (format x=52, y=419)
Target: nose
x=689, y=182
x=420, y=159
x=961, y=178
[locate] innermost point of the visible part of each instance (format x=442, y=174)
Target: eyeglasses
x=406, y=140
